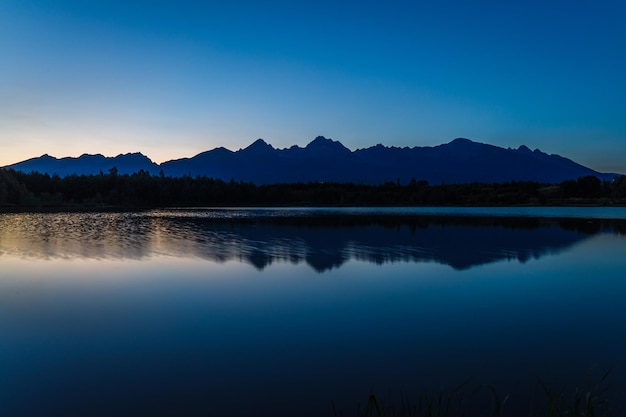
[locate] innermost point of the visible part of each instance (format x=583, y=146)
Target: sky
x=172, y=79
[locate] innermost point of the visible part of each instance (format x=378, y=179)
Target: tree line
x=31, y=190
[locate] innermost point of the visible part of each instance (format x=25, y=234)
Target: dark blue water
x=280, y=312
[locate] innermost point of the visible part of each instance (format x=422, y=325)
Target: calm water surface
x=280, y=312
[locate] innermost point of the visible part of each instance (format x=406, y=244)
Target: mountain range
x=459, y=161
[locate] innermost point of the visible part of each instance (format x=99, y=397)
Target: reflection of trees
x=323, y=241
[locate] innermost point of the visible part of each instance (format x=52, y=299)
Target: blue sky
x=172, y=79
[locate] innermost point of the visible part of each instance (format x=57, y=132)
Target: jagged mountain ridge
x=87, y=164
x=459, y=161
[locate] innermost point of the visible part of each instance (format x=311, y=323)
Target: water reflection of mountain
x=323, y=242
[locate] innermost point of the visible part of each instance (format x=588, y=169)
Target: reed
x=461, y=401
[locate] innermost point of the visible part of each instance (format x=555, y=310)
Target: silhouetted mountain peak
x=459, y=146
x=259, y=145
x=461, y=141
x=221, y=151
x=322, y=144
x=135, y=157
x=87, y=156
x=133, y=154
x=524, y=149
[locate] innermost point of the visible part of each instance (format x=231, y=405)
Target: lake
x=200, y=312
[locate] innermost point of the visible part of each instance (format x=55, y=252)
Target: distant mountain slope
x=460, y=161
x=88, y=164
x=463, y=161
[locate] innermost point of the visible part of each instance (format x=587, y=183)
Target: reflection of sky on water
x=254, y=237
x=86, y=329
x=78, y=332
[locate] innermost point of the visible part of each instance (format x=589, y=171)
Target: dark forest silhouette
x=21, y=190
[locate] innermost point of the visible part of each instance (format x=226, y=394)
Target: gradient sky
x=172, y=79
